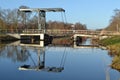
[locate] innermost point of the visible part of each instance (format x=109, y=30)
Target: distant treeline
x=13, y=19
x=62, y=25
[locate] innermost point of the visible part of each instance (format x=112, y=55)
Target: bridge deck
x=59, y=32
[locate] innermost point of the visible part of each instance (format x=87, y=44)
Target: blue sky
x=94, y=13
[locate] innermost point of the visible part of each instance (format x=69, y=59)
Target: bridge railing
x=109, y=33
x=26, y=31
x=59, y=32
x=32, y=31
x=6, y=31
x=87, y=32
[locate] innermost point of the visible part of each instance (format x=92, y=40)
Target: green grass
x=113, y=44
x=110, y=41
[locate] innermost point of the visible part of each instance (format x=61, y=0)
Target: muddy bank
x=66, y=41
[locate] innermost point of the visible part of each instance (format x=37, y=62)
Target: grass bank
x=113, y=45
x=110, y=41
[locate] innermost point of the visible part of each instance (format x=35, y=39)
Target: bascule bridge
x=40, y=33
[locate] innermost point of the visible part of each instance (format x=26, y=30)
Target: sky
x=94, y=13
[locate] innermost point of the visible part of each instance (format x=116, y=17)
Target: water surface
x=55, y=63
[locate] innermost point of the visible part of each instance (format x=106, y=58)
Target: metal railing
x=58, y=32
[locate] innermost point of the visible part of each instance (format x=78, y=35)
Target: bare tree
x=115, y=21
x=23, y=17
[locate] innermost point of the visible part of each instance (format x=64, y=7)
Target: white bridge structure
x=58, y=32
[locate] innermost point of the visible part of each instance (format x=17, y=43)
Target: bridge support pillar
x=37, y=39
x=77, y=40
x=74, y=40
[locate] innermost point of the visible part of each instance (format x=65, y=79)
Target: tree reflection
x=15, y=53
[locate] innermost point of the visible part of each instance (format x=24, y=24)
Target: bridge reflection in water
x=40, y=66
x=40, y=59
x=36, y=59
x=79, y=43
x=86, y=46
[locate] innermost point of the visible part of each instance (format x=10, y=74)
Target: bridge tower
x=42, y=15
x=40, y=33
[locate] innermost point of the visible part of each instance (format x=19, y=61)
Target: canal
x=18, y=62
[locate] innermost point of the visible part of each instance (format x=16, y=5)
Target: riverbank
x=113, y=45
x=66, y=41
